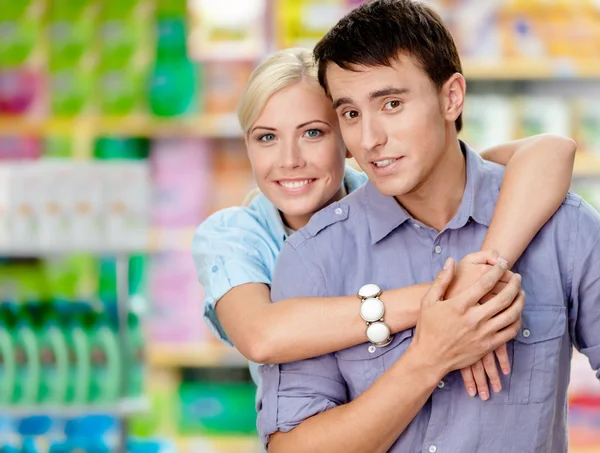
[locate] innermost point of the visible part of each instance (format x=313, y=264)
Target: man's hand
x=455, y=333
x=475, y=377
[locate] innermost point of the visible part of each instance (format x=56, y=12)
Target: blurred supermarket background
x=117, y=138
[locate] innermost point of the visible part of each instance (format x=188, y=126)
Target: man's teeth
x=294, y=184
x=385, y=163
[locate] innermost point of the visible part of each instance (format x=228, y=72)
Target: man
x=393, y=73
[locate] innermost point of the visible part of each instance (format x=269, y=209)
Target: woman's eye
x=266, y=138
x=391, y=105
x=313, y=133
x=350, y=114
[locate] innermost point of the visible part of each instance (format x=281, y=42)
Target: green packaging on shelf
x=135, y=350
x=171, y=41
x=105, y=374
x=78, y=347
x=58, y=146
x=117, y=9
x=122, y=40
x=61, y=276
x=107, y=280
x=30, y=283
x=54, y=357
x=27, y=375
x=8, y=369
x=15, y=10
x=69, y=41
x=72, y=90
x=172, y=87
x=69, y=9
x=19, y=37
x=171, y=8
x=217, y=408
x=121, y=91
x=121, y=148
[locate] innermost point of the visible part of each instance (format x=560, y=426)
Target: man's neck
x=436, y=201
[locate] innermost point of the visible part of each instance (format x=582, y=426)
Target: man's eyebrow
x=341, y=101
x=372, y=95
x=387, y=92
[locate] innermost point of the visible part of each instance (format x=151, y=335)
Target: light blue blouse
x=240, y=245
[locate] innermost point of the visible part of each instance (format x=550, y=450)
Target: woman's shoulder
x=354, y=178
x=257, y=217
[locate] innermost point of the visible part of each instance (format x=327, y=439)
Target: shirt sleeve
x=230, y=249
x=294, y=392
x=585, y=286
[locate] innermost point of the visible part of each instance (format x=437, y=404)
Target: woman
x=298, y=158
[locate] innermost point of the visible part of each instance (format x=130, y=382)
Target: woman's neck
x=295, y=222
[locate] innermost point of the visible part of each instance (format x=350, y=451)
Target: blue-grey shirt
x=370, y=238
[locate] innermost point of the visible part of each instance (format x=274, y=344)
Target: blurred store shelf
x=127, y=126
x=587, y=164
x=532, y=69
x=171, y=239
x=158, y=240
x=128, y=406
x=194, y=355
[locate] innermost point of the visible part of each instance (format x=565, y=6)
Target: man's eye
x=391, y=105
x=351, y=114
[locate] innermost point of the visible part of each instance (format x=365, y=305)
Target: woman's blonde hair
x=280, y=70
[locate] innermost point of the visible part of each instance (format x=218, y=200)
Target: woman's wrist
x=402, y=306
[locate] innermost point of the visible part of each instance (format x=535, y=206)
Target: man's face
x=392, y=120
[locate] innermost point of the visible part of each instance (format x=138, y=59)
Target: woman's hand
x=468, y=271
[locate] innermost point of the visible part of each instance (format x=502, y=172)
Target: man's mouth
x=384, y=163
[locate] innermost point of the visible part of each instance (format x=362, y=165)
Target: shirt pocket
x=361, y=365
x=535, y=353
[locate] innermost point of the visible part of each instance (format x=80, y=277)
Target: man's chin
x=391, y=190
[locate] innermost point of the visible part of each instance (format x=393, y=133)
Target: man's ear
x=453, y=93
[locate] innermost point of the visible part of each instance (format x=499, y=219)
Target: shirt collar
x=385, y=214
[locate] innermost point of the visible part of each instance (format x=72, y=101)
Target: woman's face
x=297, y=153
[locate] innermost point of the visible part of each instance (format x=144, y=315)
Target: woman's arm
x=296, y=329
x=536, y=181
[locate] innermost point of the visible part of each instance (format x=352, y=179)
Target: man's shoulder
x=332, y=221
x=576, y=209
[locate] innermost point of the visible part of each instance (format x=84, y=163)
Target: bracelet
x=372, y=311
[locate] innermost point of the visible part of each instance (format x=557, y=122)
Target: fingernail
x=523, y=293
x=484, y=396
x=503, y=263
x=506, y=370
x=471, y=391
x=447, y=264
x=519, y=277
x=496, y=388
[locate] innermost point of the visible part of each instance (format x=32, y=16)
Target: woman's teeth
x=384, y=163
x=294, y=184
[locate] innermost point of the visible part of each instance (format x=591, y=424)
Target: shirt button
x=338, y=211
x=526, y=333
x=416, y=225
x=438, y=249
x=215, y=269
x=432, y=449
x=372, y=349
x=441, y=385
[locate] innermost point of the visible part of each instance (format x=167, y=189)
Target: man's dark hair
x=376, y=32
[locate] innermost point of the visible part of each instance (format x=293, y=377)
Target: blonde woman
x=298, y=160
